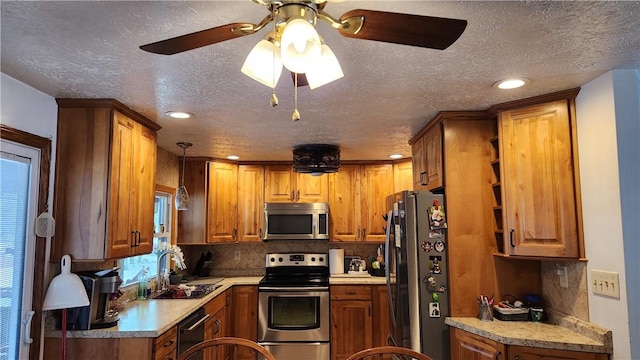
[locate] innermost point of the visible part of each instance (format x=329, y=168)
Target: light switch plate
x=605, y=283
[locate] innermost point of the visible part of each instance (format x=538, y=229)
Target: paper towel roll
x=336, y=261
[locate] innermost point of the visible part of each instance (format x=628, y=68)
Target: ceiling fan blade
x=406, y=29
x=199, y=39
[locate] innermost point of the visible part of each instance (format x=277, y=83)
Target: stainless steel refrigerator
x=416, y=270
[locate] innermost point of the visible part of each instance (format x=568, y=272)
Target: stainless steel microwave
x=296, y=221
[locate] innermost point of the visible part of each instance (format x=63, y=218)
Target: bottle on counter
x=142, y=285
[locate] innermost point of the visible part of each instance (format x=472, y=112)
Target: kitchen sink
x=175, y=292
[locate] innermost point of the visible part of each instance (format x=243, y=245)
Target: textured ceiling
x=90, y=50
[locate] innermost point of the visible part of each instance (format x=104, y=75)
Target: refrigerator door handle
x=387, y=271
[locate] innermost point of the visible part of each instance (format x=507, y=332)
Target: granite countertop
x=586, y=337
x=347, y=279
x=151, y=318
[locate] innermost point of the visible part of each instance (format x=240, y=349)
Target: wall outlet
x=605, y=283
x=561, y=271
x=236, y=255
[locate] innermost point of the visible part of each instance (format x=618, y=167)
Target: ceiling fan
x=407, y=29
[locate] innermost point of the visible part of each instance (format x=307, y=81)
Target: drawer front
x=347, y=292
x=166, y=344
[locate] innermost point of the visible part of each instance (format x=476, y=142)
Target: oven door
x=293, y=314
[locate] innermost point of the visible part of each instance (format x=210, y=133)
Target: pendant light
x=182, y=196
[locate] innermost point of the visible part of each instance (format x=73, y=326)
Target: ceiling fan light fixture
x=513, y=83
x=263, y=64
x=326, y=70
x=300, y=46
x=316, y=159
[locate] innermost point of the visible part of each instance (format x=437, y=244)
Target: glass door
x=19, y=174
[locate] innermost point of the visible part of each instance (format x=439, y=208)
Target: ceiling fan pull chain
x=296, y=113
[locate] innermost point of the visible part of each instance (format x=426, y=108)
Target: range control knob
x=280, y=259
x=313, y=259
x=321, y=259
x=272, y=259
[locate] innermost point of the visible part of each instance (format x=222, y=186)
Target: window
x=133, y=268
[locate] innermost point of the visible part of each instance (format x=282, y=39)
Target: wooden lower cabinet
x=166, y=345
x=530, y=353
x=468, y=346
x=163, y=347
x=245, y=317
x=216, y=325
x=351, y=320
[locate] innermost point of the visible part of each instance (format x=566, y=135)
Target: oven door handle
x=196, y=325
x=292, y=289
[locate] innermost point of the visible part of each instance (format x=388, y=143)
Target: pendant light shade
x=326, y=70
x=264, y=64
x=300, y=46
x=182, y=195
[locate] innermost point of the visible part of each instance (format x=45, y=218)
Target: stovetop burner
x=296, y=269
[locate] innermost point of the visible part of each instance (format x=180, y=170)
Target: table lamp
x=65, y=291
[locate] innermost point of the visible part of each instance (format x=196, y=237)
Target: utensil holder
x=536, y=314
x=485, y=312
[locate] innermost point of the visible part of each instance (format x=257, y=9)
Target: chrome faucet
x=160, y=284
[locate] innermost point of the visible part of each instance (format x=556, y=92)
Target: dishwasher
x=191, y=332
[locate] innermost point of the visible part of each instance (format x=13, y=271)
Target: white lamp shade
x=65, y=290
x=263, y=64
x=326, y=70
x=300, y=46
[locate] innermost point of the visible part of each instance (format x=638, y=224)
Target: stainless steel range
x=293, y=306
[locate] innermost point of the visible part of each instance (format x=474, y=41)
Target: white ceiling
x=91, y=50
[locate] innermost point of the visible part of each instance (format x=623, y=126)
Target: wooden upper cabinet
x=539, y=203
x=192, y=223
x=345, y=206
x=223, y=202
x=282, y=184
x=105, y=180
x=403, y=175
x=377, y=184
x=427, y=156
x=357, y=201
x=250, y=202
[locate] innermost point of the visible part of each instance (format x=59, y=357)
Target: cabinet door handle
x=500, y=353
x=168, y=343
x=364, y=233
x=139, y=237
x=511, y=232
x=217, y=327
x=134, y=239
x=358, y=233
x=260, y=233
x=422, y=174
x=350, y=292
x=234, y=233
x=298, y=195
x=292, y=195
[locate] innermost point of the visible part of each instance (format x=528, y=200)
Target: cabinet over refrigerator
x=416, y=257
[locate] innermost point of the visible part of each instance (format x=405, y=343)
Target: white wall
x=598, y=116
x=27, y=109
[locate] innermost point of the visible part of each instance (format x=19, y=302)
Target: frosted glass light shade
x=263, y=64
x=65, y=290
x=300, y=46
x=326, y=70
x=182, y=198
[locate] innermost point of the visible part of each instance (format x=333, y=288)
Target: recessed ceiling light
x=178, y=114
x=396, y=156
x=233, y=157
x=513, y=83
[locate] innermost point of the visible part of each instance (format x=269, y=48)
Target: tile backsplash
x=252, y=255
x=571, y=301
